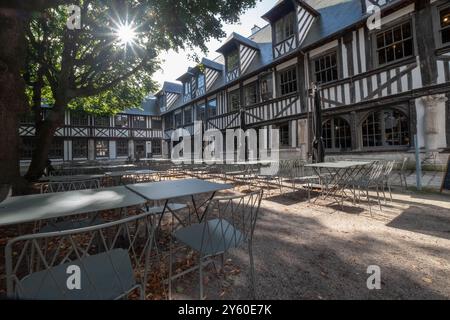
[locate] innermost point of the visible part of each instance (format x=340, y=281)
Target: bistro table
x=169, y=190
x=69, y=178
x=117, y=176
x=37, y=207
x=338, y=176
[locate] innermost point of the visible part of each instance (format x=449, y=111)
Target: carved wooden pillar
x=432, y=105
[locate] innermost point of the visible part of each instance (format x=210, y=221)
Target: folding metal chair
x=230, y=226
x=111, y=268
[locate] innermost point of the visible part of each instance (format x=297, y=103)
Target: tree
x=14, y=15
x=91, y=69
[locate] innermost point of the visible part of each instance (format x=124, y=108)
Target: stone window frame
x=384, y=146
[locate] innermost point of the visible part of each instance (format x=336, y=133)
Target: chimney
x=255, y=29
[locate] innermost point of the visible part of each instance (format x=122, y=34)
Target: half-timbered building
x=379, y=86
x=134, y=133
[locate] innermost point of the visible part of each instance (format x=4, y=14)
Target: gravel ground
x=318, y=251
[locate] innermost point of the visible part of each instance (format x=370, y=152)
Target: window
x=27, y=148
x=187, y=88
x=121, y=121
x=386, y=128
x=251, y=94
x=156, y=124
x=102, y=149
x=233, y=60
x=284, y=135
x=101, y=121
x=122, y=148
x=284, y=28
x=139, y=122
x=444, y=18
x=325, y=68
x=178, y=119
x=27, y=119
x=56, y=150
x=79, y=119
x=337, y=135
x=212, y=108
x=188, y=115
x=395, y=44
x=156, y=147
x=288, y=81
x=266, y=86
x=234, y=100
x=168, y=121
x=79, y=149
x=201, y=81
x=200, y=112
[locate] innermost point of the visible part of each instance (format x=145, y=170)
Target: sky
x=175, y=64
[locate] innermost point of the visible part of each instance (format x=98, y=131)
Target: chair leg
x=378, y=198
x=252, y=271
x=390, y=191
x=200, y=273
x=368, y=201
x=170, y=269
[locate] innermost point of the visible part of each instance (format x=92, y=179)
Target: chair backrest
x=388, y=167
x=234, y=220
x=62, y=186
x=404, y=164
x=112, y=257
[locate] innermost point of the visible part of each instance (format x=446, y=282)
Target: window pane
x=102, y=148
x=266, y=87
x=212, y=108
x=445, y=17
x=79, y=149
x=101, y=121
x=121, y=121
x=251, y=96
x=122, y=148
x=139, y=122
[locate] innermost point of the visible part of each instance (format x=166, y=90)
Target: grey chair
x=230, y=225
x=113, y=261
x=372, y=179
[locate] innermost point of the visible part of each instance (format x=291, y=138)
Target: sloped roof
x=212, y=64
x=148, y=107
x=239, y=39
x=335, y=15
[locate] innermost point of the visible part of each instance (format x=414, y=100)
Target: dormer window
x=201, y=81
x=187, y=89
x=285, y=28
x=233, y=60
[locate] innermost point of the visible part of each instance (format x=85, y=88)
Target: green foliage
x=90, y=69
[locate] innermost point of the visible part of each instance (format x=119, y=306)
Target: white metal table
x=32, y=208
x=169, y=190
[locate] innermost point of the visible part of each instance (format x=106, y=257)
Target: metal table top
x=22, y=209
x=129, y=172
x=68, y=178
x=165, y=190
x=339, y=164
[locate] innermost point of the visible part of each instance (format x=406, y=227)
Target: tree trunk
x=12, y=93
x=44, y=139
